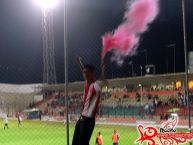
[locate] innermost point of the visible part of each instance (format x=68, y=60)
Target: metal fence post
x=66, y=70
x=186, y=67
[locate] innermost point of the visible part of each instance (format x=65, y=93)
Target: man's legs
x=76, y=136
x=86, y=129
x=6, y=125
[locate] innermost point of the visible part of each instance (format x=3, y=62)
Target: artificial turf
x=49, y=133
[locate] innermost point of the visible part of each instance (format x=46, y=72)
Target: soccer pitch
x=49, y=133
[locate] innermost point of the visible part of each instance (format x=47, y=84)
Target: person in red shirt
x=99, y=139
x=92, y=93
x=115, y=138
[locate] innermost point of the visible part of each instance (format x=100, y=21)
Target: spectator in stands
x=155, y=102
x=161, y=116
x=99, y=139
x=140, y=111
x=152, y=110
x=92, y=92
x=166, y=117
x=115, y=138
x=146, y=108
x=40, y=115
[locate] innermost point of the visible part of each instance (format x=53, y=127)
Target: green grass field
x=48, y=133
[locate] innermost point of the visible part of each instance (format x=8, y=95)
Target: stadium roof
x=19, y=89
x=121, y=82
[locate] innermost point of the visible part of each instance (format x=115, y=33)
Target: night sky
x=21, y=46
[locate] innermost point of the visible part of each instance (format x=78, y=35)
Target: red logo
x=170, y=123
x=167, y=135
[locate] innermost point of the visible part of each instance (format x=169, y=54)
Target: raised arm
x=103, y=78
x=80, y=63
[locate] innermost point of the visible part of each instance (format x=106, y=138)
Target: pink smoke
x=125, y=39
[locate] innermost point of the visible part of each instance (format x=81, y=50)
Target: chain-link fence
x=148, y=89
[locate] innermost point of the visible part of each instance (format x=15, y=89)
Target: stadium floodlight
x=46, y=4
x=47, y=9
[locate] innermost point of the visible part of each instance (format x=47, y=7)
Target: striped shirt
x=91, y=99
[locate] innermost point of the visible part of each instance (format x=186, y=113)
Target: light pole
x=141, y=70
x=66, y=69
x=141, y=92
x=186, y=66
x=131, y=64
x=174, y=49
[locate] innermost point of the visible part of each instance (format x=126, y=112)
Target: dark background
x=21, y=46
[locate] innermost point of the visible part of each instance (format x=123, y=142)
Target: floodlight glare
x=46, y=4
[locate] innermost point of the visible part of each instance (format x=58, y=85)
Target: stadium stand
x=120, y=98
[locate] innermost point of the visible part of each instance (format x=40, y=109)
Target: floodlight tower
x=49, y=70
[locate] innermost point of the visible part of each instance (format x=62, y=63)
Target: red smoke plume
x=124, y=40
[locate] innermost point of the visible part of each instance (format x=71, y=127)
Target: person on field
x=19, y=119
x=6, y=121
x=99, y=139
x=91, y=98
x=115, y=138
